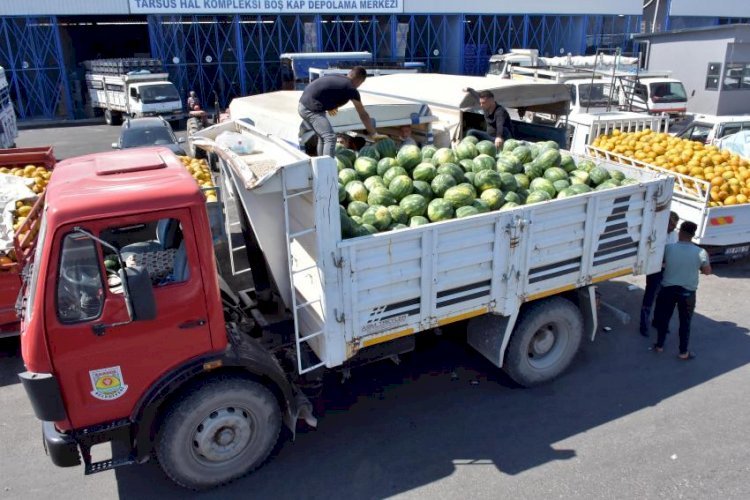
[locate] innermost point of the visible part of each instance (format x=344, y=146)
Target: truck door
x=103, y=362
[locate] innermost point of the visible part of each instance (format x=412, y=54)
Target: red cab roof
x=119, y=182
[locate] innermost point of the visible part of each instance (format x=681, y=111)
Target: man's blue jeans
x=318, y=121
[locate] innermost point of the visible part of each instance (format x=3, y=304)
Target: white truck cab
x=501, y=64
x=709, y=129
x=654, y=94
x=8, y=126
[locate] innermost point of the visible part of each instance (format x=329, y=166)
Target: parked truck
x=8, y=126
x=132, y=88
x=724, y=231
x=130, y=336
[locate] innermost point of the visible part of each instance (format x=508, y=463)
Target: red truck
x=24, y=239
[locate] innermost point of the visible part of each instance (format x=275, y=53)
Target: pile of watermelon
x=384, y=188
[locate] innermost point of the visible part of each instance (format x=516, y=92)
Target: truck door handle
x=195, y=323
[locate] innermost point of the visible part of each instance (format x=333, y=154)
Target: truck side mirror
x=142, y=305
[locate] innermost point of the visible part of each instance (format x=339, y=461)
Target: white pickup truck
x=135, y=93
x=8, y=126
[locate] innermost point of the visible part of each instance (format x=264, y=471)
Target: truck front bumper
x=61, y=448
x=170, y=117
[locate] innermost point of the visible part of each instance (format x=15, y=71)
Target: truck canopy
x=276, y=114
x=447, y=91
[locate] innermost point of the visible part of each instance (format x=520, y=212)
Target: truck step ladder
x=232, y=222
x=307, y=361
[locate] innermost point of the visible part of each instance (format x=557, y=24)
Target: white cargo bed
x=351, y=294
x=717, y=226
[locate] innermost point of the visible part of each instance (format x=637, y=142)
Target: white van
x=8, y=126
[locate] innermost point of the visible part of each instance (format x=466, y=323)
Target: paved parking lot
x=622, y=423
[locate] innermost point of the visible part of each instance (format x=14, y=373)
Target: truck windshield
x=668, y=92
x=163, y=92
x=496, y=68
x=593, y=95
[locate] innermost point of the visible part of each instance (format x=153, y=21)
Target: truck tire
x=544, y=342
x=223, y=429
x=112, y=117
x=193, y=126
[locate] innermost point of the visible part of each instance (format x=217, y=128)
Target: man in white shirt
x=654, y=280
x=682, y=263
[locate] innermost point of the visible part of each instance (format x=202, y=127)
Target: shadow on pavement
x=391, y=429
x=736, y=269
x=10, y=359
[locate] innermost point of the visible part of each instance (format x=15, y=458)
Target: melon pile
x=40, y=175
x=384, y=188
x=202, y=175
x=728, y=173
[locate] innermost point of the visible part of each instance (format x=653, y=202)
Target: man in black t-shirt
x=326, y=95
x=496, y=117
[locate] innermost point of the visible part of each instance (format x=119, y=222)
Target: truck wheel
x=544, y=342
x=220, y=431
x=112, y=117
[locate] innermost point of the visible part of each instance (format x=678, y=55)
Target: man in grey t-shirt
x=682, y=263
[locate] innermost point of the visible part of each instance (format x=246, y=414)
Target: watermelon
x=386, y=148
x=341, y=164
x=385, y=164
x=561, y=184
x=454, y=170
x=511, y=144
x=542, y=184
x=586, y=165
x=608, y=184
x=443, y=155
x=598, y=175
x=424, y=172
x=365, y=167
x=535, y=150
x=471, y=139
x=342, y=193
x=357, y=208
x=466, y=150
x=393, y=172
x=532, y=170
x=549, y=145
x=439, y=209
x=522, y=154
x=369, y=152
x=413, y=205
x=493, y=197
x=511, y=197
x=549, y=158
x=470, y=176
x=347, y=226
x=427, y=152
x=567, y=163
x=401, y=186
x=538, y=196
x=381, y=196
x=467, y=165
x=441, y=183
x=481, y=205
x=508, y=164
x=377, y=216
x=629, y=182
x=356, y=218
x=580, y=188
x=566, y=193
x=418, y=220
x=487, y=179
x=347, y=175
x=367, y=229
x=371, y=182
x=522, y=195
x=484, y=162
x=522, y=180
x=356, y=190
x=555, y=174
x=409, y=156
x=487, y=148
x=423, y=188
x=466, y=211
x=398, y=215
x=460, y=195
x=509, y=182
x=579, y=177
x=346, y=155
x=509, y=205
x=617, y=175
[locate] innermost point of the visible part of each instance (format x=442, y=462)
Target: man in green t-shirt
x=683, y=261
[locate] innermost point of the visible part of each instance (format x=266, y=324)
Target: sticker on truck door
x=108, y=383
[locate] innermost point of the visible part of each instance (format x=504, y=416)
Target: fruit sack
x=727, y=173
x=15, y=194
x=385, y=189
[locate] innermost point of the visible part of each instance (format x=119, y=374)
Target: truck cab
x=653, y=95
x=710, y=129
x=501, y=64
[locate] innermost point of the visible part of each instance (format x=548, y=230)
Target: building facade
x=232, y=47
